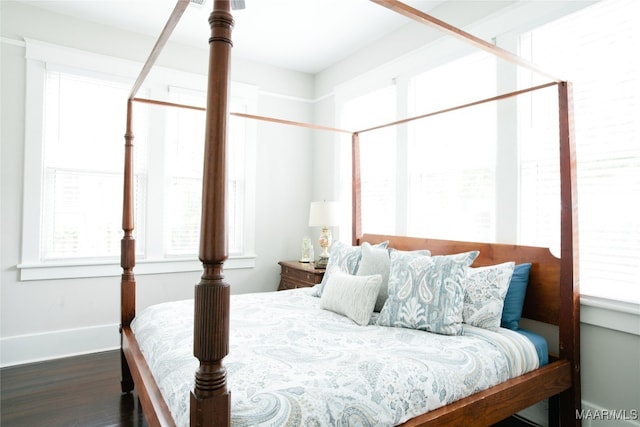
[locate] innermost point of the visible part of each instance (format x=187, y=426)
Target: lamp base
x=322, y=262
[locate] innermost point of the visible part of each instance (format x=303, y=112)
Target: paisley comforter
x=292, y=363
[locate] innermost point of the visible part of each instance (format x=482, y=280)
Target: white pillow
x=351, y=296
x=485, y=290
x=375, y=260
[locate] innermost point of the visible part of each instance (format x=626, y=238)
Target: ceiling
x=301, y=35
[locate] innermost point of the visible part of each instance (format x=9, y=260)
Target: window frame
x=41, y=56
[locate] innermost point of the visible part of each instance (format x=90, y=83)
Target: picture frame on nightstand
x=306, y=254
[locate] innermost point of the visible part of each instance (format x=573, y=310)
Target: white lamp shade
x=324, y=214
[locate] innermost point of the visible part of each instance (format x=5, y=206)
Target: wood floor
x=76, y=391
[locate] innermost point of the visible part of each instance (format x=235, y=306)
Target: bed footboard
x=153, y=404
x=501, y=401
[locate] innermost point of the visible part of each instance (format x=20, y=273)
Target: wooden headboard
x=542, y=302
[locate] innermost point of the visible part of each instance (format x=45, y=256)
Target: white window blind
x=452, y=157
x=594, y=49
x=449, y=168
x=184, y=163
x=81, y=213
x=240, y=130
x=539, y=169
x=377, y=157
x=183, y=169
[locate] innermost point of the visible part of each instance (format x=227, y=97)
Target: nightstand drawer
x=301, y=275
x=294, y=274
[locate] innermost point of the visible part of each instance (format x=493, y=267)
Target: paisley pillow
x=375, y=260
x=344, y=258
x=485, y=290
x=426, y=292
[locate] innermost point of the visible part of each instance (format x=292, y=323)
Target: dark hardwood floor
x=81, y=391
x=74, y=391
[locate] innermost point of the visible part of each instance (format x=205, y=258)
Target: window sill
x=75, y=270
x=611, y=314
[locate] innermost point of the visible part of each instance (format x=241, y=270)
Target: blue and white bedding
x=293, y=363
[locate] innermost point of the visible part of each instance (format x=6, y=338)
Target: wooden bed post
x=570, y=400
x=356, y=190
x=210, y=398
x=127, y=250
x=128, y=244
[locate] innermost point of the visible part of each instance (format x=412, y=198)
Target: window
x=377, y=157
x=183, y=164
x=74, y=163
x=183, y=169
x=452, y=167
x=81, y=214
x=594, y=55
x=441, y=182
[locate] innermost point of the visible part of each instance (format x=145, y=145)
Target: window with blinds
x=83, y=153
x=183, y=165
x=81, y=213
x=449, y=169
x=594, y=49
x=183, y=169
x=377, y=157
x=452, y=157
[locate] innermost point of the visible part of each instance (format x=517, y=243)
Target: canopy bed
x=221, y=327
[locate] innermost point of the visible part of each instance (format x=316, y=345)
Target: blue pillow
x=514, y=301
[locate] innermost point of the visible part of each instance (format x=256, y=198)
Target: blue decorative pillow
x=426, y=292
x=514, y=300
x=343, y=257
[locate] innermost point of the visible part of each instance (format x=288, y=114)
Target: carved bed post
x=569, y=268
x=210, y=398
x=356, y=190
x=127, y=249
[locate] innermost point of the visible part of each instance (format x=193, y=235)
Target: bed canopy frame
x=559, y=381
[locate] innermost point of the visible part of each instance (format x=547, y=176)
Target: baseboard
x=21, y=349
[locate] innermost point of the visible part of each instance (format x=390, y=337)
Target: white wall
x=54, y=318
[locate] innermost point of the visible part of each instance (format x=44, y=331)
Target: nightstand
x=295, y=274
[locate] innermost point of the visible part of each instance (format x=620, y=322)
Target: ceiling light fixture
x=235, y=4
